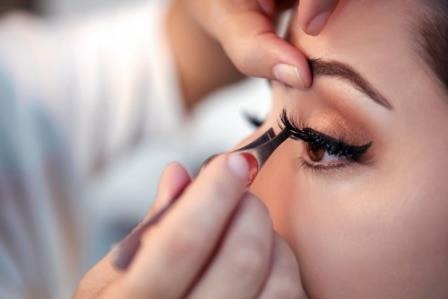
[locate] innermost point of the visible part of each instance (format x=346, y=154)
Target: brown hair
x=434, y=38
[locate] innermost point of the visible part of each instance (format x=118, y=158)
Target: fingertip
x=177, y=171
x=174, y=175
x=291, y=75
x=314, y=15
x=253, y=165
x=316, y=24
x=173, y=181
x=274, y=58
x=244, y=165
x=295, y=72
x=305, y=72
x=238, y=166
x=267, y=6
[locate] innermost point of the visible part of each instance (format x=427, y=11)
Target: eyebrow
x=341, y=70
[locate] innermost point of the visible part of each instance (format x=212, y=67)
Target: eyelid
x=299, y=128
x=328, y=143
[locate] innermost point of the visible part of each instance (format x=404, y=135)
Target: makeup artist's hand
x=217, y=241
x=246, y=30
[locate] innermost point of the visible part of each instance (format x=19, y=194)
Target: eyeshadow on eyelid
x=333, y=124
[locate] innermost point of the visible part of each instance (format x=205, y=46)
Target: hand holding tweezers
x=261, y=149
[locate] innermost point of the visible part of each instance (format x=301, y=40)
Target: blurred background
x=119, y=197
x=8, y=5
x=59, y=8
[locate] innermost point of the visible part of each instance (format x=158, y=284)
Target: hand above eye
x=246, y=30
x=217, y=241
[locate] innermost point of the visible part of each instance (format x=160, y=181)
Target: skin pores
x=376, y=229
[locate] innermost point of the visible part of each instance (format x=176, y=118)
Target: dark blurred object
x=7, y=5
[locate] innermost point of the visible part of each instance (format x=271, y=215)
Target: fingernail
x=267, y=7
x=243, y=165
x=253, y=166
x=238, y=165
x=317, y=23
x=288, y=74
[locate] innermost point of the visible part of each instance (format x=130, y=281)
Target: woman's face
x=376, y=227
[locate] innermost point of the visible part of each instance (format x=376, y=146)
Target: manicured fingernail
x=253, y=166
x=243, y=165
x=316, y=24
x=238, y=165
x=288, y=74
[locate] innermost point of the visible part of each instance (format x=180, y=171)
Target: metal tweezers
x=261, y=149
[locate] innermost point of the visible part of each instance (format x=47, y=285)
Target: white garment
x=72, y=98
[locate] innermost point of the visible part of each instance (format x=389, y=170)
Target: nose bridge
x=276, y=168
x=275, y=185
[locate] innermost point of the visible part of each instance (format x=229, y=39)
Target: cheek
x=374, y=249
x=368, y=237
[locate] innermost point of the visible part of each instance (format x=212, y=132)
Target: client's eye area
x=316, y=154
x=319, y=158
x=323, y=151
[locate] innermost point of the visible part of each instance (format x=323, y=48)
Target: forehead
x=358, y=27
x=377, y=38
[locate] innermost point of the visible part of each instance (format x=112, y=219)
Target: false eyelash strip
x=319, y=140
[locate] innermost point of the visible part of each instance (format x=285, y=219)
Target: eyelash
x=319, y=141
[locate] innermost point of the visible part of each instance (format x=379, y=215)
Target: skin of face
x=377, y=228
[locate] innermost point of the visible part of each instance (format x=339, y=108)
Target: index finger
x=173, y=252
x=251, y=42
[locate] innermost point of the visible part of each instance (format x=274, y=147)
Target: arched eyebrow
x=341, y=70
